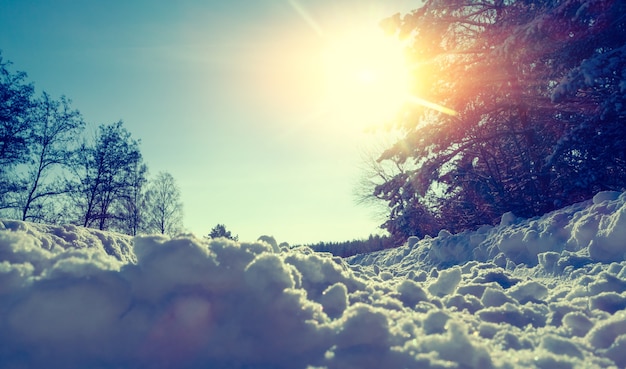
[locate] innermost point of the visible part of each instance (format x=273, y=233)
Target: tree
x=220, y=231
x=106, y=176
x=530, y=116
x=132, y=204
x=15, y=127
x=54, y=126
x=164, y=208
x=44, y=176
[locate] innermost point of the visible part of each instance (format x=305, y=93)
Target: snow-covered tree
x=531, y=111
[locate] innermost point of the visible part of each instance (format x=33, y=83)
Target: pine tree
x=220, y=231
x=528, y=111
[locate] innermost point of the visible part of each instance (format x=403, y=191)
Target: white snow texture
x=547, y=292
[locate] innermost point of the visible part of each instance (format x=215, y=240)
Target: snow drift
x=548, y=292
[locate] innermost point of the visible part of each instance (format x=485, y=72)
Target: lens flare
x=432, y=105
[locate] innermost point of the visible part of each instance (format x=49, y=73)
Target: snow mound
x=547, y=292
x=588, y=232
x=55, y=239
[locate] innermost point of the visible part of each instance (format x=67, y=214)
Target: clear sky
x=242, y=101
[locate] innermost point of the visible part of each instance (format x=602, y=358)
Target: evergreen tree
x=529, y=116
x=221, y=231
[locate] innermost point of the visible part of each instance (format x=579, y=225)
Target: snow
x=547, y=292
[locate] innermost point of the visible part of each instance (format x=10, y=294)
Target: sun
x=366, y=76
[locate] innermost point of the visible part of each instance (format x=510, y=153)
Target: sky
x=542, y=293
x=243, y=102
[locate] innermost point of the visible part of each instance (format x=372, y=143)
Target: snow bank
x=548, y=292
x=54, y=239
x=588, y=232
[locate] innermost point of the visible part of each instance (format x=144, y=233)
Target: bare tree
x=373, y=174
x=132, y=204
x=106, y=174
x=164, y=209
x=15, y=108
x=55, y=125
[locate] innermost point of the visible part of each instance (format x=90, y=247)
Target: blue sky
x=231, y=97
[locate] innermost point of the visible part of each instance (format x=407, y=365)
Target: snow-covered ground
x=548, y=292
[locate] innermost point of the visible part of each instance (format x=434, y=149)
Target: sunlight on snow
x=546, y=292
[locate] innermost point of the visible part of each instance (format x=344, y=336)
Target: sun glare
x=367, y=79
x=356, y=77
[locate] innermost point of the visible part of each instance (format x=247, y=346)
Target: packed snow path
x=548, y=292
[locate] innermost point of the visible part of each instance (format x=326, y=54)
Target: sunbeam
x=304, y=14
x=432, y=105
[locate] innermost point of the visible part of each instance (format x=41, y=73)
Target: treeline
x=52, y=172
x=350, y=248
x=527, y=113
